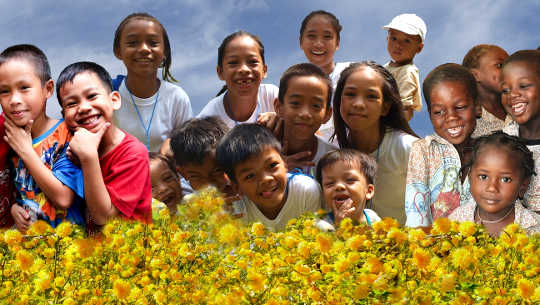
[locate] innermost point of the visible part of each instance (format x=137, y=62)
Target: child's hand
x=19, y=138
x=298, y=160
x=346, y=210
x=21, y=217
x=84, y=144
x=271, y=121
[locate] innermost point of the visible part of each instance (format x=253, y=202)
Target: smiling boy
x=250, y=155
x=114, y=164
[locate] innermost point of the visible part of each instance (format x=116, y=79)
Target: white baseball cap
x=409, y=24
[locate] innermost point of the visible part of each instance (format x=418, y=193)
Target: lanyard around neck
x=146, y=128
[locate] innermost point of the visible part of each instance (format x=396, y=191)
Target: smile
x=89, y=120
x=519, y=108
x=318, y=52
x=455, y=131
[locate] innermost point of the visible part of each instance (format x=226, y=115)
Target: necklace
x=144, y=126
x=482, y=221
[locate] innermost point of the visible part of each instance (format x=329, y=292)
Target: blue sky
x=70, y=31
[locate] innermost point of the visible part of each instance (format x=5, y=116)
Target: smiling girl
x=152, y=107
x=241, y=65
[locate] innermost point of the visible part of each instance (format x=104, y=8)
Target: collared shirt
x=433, y=188
x=489, y=123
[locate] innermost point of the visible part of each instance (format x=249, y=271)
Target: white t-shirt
x=327, y=224
x=327, y=129
x=322, y=148
x=392, y=160
x=304, y=195
x=265, y=103
x=172, y=109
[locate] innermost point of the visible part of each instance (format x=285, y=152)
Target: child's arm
x=84, y=145
x=20, y=140
x=417, y=193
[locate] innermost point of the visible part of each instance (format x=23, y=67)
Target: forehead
x=520, y=69
x=342, y=167
x=242, y=45
x=448, y=92
x=499, y=155
x=400, y=34
x=24, y=67
x=158, y=166
x=320, y=22
x=316, y=84
x=82, y=81
x=258, y=160
x=138, y=26
x=364, y=77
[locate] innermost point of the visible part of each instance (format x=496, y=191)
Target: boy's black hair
x=304, y=69
x=516, y=146
x=31, y=53
x=331, y=17
x=225, y=43
x=243, y=142
x=152, y=155
x=166, y=65
x=394, y=118
x=357, y=159
x=196, y=139
x=531, y=57
x=449, y=72
x=69, y=73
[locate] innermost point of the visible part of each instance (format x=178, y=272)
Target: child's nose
x=144, y=47
x=15, y=99
x=492, y=185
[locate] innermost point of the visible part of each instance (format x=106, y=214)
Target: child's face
x=243, y=68
x=319, y=41
x=362, y=100
x=520, y=91
x=489, y=71
x=263, y=179
x=303, y=109
x=22, y=95
x=141, y=47
x=403, y=47
x=453, y=112
x=165, y=184
x=87, y=103
x=345, y=189
x=209, y=172
x=496, y=180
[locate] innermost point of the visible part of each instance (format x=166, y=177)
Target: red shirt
x=7, y=197
x=126, y=173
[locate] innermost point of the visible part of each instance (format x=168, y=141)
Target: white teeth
x=89, y=120
x=318, y=52
x=244, y=81
x=455, y=131
x=519, y=108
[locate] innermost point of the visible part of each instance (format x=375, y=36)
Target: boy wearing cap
x=406, y=34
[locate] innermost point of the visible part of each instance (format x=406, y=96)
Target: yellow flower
x=467, y=228
x=69, y=301
x=324, y=241
x=421, y=258
x=121, y=289
x=462, y=258
x=40, y=227
x=257, y=229
x=43, y=281
x=228, y=233
x=441, y=226
x=13, y=237
x=397, y=235
x=64, y=229
x=25, y=259
x=525, y=288
x=256, y=280
x=416, y=235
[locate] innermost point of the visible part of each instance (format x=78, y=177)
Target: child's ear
x=117, y=53
x=478, y=109
x=219, y=72
x=523, y=188
x=265, y=70
x=475, y=73
x=116, y=100
x=277, y=106
x=385, y=108
x=370, y=191
x=327, y=115
x=420, y=47
x=49, y=88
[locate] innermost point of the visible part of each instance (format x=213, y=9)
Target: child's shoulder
x=171, y=89
x=397, y=138
x=302, y=182
x=129, y=148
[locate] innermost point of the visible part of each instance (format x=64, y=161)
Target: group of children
x=333, y=136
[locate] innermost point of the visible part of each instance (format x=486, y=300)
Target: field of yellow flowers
x=204, y=257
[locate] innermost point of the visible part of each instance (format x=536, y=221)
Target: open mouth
x=244, y=83
x=318, y=53
x=89, y=121
x=341, y=199
x=455, y=131
x=519, y=108
x=269, y=193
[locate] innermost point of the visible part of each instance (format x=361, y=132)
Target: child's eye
x=461, y=107
x=232, y=62
x=349, y=94
x=506, y=179
x=168, y=178
x=317, y=106
x=499, y=66
x=274, y=164
x=373, y=96
x=4, y=91
x=92, y=96
x=70, y=104
x=482, y=177
x=311, y=36
x=154, y=43
x=505, y=90
x=524, y=86
x=249, y=176
x=328, y=37
x=253, y=62
x=407, y=41
x=328, y=184
x=393, y=38
x=131, y=43
x=351, y=180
